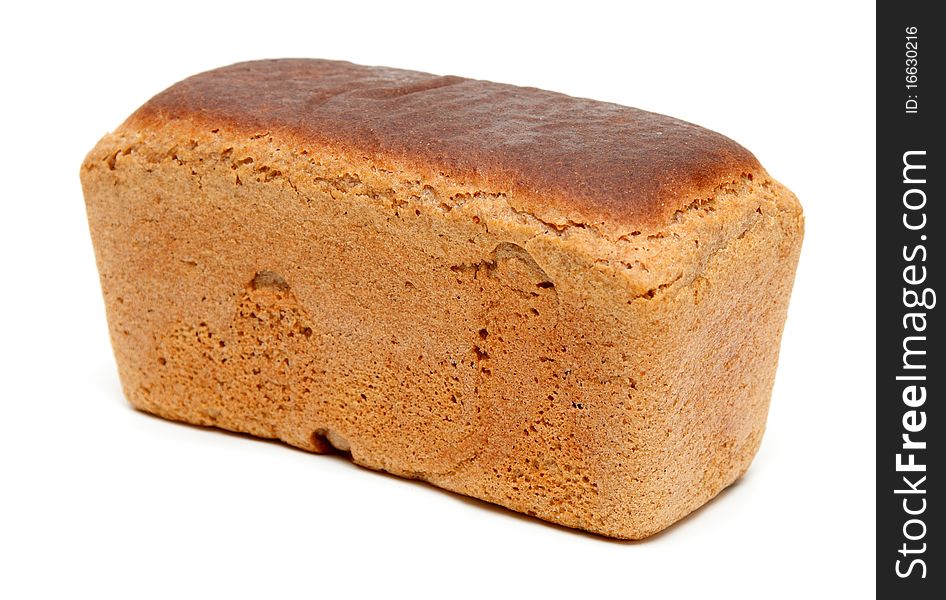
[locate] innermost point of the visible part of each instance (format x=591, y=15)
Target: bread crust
x=567, y=160
x=354, y=294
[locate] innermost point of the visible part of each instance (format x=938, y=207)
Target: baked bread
x=566, y=307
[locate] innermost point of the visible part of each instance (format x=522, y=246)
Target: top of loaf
x=572, y=160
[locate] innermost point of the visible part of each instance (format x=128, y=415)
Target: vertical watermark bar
x=911, y=367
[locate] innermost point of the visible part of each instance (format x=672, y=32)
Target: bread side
x=433, y=327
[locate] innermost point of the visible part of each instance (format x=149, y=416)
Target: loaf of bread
x=566, y=307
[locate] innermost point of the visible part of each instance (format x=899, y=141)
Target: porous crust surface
x=413, y=306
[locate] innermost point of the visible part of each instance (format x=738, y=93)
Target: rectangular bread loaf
x=566, y=307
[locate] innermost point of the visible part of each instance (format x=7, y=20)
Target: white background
x=97, y=500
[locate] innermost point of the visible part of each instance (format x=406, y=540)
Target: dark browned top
x=596, y=162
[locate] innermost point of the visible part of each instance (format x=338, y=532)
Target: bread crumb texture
x=608, y=379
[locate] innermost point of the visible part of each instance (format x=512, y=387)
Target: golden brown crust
x=573, y=160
